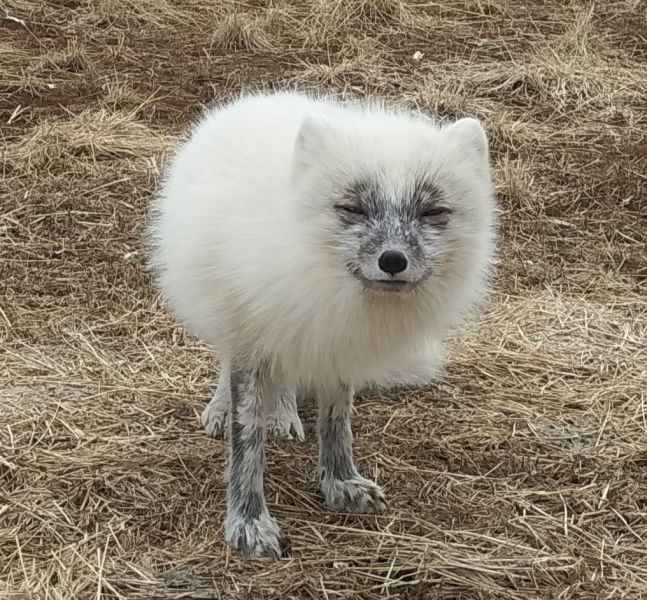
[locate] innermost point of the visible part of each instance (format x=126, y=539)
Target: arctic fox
x=320, y=246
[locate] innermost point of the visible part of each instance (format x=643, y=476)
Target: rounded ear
x=315, y=137
x=471, y=134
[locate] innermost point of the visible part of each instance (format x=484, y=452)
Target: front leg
x=249, y=528
x=343, y=487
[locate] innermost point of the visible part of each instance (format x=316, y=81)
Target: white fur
x=244, y=228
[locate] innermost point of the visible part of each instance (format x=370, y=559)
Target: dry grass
x=240, y=31
x=92, y=136
x=522, y=474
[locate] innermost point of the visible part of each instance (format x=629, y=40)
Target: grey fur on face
x=375, y=220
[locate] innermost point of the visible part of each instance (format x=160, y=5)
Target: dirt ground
x=522, y=474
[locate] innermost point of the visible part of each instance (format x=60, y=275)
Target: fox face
x=392, y=239
x=401, y=206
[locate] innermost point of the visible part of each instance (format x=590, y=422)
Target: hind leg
x=283, y=419
x=216, y=415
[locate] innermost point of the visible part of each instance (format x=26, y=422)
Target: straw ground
x=522, y=474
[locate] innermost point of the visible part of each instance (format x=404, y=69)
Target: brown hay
x=242, y=31
x=522, y=474
x=72, y=59
x=94, y=135
x=127, y=14
x=334, y=21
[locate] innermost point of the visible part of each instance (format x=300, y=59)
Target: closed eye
x=436, y=211
x=351, y=209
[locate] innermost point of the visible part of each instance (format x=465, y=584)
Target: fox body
x=322, y=246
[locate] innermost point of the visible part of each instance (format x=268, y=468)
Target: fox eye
x=351, y=209
x=436, y=211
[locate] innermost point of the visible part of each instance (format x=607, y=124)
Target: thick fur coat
x=251, y=254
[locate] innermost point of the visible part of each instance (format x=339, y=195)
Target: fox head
x=400, y=202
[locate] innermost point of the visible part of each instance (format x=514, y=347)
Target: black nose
x=392, y=262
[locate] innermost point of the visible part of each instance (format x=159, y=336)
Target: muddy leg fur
x=283, y=419
x=343, y=487
x=249, y=527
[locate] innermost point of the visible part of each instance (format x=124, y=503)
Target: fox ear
x=470, y=134
x=315, y=138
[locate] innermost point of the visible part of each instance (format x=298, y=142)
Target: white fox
x=320, y=246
